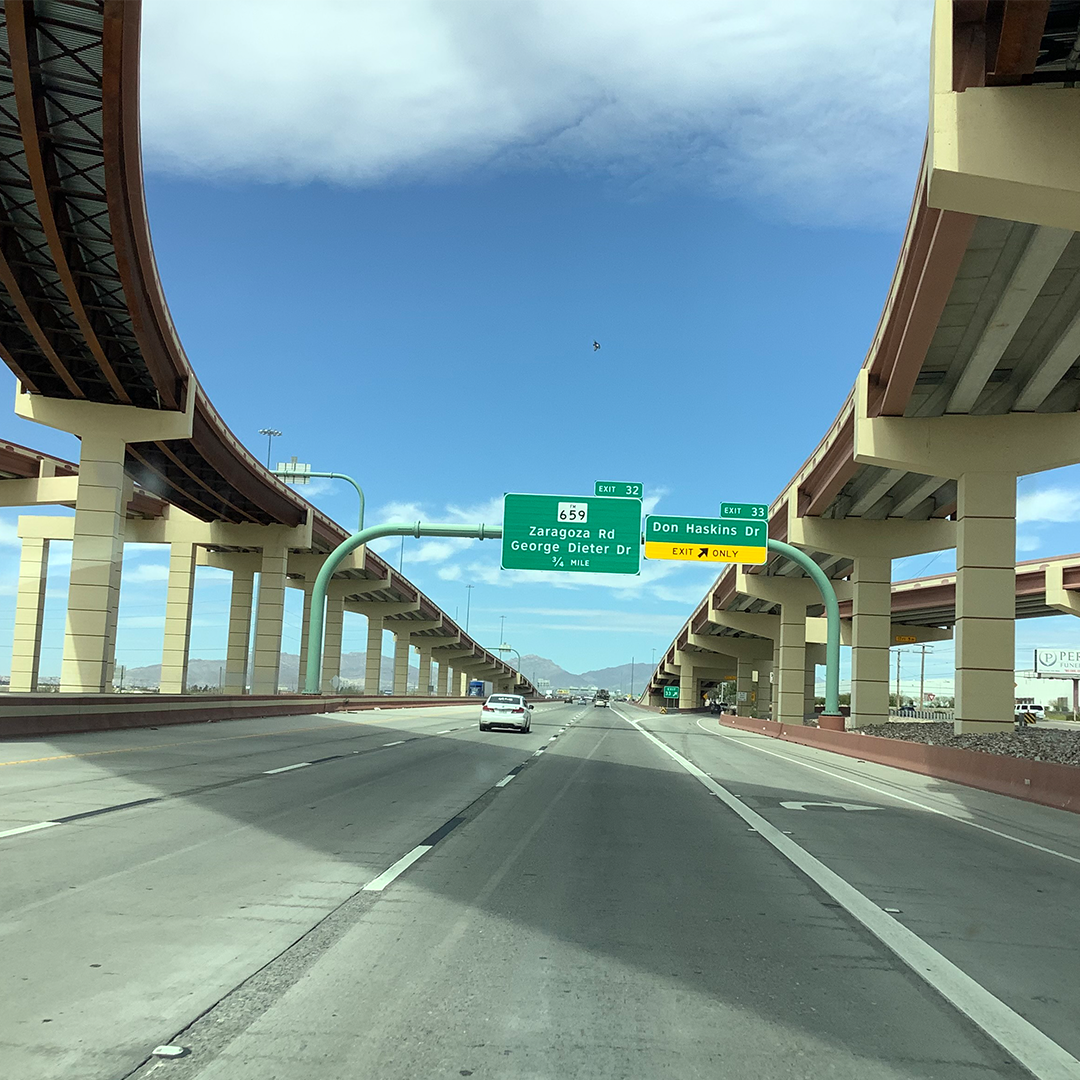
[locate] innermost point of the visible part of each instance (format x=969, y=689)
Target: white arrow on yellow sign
x=659, y=549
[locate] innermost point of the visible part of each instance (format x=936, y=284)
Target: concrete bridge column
x=102, y=494
x=791, y=684
x=29, y=612
x=305, y=627
x=402, y=652
x=442, y=685
x=423, y=684
x=763, y=705
x=985, y=602
x=688, y=695
x=373, y=660
x=744, y=687
x=269, y=617
x=332, y=629
x=871, y=636
x=815, y=655
x=178, y=598
x=239, y=642
x=97, y=555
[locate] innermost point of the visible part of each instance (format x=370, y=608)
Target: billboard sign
x=1064, y=663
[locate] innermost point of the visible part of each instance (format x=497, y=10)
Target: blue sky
x=398, y=247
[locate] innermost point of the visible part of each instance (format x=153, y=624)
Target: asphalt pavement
x=616, y=894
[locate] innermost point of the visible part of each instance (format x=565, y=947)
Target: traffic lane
x=602, y=917
x=39, y=783
x=120, y=929
x=997, y=909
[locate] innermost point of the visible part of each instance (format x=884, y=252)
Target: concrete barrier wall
x=32, y=715
x=1022, y=778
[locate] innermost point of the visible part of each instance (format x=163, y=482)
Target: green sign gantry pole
x=832, y=615
x=290, y=474
x=346, y=547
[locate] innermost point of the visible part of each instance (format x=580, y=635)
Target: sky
x=393, y=230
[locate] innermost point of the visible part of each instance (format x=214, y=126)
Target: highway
x=646, y=896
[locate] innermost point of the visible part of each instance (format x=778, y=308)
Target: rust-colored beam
x=160, y=348
x=44, y=177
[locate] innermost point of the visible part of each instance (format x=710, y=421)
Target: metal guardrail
x=923, y=714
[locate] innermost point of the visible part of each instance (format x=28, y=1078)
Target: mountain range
x=210, y=672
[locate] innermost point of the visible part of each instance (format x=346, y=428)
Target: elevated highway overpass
x=85, y=328
x=971, y=380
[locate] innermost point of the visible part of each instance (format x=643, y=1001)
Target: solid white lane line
x=506, y=780
x=396, y=742
x=28, y=828
x=1038, y=1053
x=399, y=868
x=446, y=732
x=286, y=768
x=898, y=798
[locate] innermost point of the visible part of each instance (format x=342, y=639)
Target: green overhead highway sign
x=620, y=489
x=671, y=691
x=583, y=534
x=746, y=511
x=692, y=539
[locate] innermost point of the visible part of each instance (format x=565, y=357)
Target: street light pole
x=631, y=676
x=468, y=605
x=271, y=434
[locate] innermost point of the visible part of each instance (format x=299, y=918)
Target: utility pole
x=898, y=703
x=924, y=649
x=468, y=605
x=631, y=676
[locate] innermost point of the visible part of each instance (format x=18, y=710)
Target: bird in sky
x=596, y=346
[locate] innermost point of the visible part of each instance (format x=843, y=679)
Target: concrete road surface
x=399, y=895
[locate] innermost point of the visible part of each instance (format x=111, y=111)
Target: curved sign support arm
x=349, y=545
x=832, y=616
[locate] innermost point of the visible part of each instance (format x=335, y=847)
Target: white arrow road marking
x=842, y=805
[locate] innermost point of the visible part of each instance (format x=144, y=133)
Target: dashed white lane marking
x=29, y=828
x=446, y=732
x=286, y=768
x=396, y=742
x=899, y=798
x=506, y=780
x=399, y=868
x=540, y=751
x=1038, y=1053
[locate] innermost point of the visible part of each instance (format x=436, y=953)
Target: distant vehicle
x=506, y=710
x=1037, y=712
x=602, y=700
x=907, y=710
x=476, y=688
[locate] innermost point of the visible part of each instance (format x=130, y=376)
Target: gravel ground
x=1062, y=747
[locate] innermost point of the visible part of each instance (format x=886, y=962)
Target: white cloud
x=1050, y=504
x=140, y=575
x=1027, y=542
x=650, y=501
x=801, y=104
x=9, y=534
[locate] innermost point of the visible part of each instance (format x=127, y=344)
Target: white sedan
x=506, y=710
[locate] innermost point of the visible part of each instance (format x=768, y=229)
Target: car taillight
x=487, y=708
x=518, y=710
